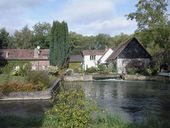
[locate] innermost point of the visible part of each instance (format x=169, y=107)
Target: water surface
x=131, y=100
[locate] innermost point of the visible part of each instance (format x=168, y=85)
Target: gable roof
x=93, y=52
x=105, y=53
x=121, y=47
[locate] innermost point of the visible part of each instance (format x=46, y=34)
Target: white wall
x=122, y=63
x=106, y=55
x=90, y=63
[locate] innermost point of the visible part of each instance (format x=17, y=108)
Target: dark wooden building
x=130, y=54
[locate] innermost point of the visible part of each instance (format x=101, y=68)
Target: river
x=133, y=101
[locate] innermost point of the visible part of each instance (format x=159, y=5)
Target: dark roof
x=23, y=54
x=93, y=52
x=76, y=58
x=121, y=47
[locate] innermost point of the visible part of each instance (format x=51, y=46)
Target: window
x=92, y=57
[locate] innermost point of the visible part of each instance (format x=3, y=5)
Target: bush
x=72, y=110
x=132, y=71
x=69, y=72
x=92, y=70
x=21, y=70
x=15, y=87
x=39, y=78
x=53, y=70
x=101, y=67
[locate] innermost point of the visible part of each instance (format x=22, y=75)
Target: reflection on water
x=33, y=108
x=132, y=100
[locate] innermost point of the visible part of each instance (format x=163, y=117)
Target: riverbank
x=102, y=121
x=147, y=78
x=92, y=77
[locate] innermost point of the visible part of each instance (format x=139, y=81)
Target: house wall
x=90, y=63
x=105, y=56
x=40, y=65
x=122, y=63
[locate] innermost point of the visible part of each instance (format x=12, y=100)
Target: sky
x=87, y=17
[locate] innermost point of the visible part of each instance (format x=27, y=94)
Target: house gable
x=134, y=50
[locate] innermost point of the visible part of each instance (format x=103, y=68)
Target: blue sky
x=87, y=17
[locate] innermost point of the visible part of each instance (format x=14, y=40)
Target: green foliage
x=71, y=109
x=42, y=34
x=4, y=38
x=114, y=67
x=101, y=67
x=39, y=78
x=92, y=70
x=23, y=38
x=131, y=71
x=21, y=68
x=59, y=46
x=150, y=14
x=153, y=28
x=147, y=71
x=53, y=70
x=69, y=72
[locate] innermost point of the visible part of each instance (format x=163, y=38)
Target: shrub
x=69, y=72
x=91, y=70
x=21, y=70
x=15, y=87
x=39, y=78
x=101, y=67
x=131, y=71
x=72, y=110
x=53, y=70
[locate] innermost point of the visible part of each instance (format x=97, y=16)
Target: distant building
x=39, y=60
x=130, y=54
x=91, y=58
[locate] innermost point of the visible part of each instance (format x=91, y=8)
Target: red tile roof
x=93, y=52
x=23, y=54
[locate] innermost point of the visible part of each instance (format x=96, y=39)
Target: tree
x=116, y=40
x=151, y=18
x=41, y=34
x=4, y=38
x=102, y=41
x=23, y=38
x=150, y=14
x=59, y=45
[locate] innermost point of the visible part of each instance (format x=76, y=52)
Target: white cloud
x=83, y=16
x=85, y=10
x=113, y=26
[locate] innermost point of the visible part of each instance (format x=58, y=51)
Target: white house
x=91, y=58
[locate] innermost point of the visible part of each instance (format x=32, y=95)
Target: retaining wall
x=34, y=95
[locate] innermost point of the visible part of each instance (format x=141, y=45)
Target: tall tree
x=102, y=41
x=23, y=38
x=41, y=34
x=59, y=45
x=151, y=18
x=4, y=38
x=150, y=14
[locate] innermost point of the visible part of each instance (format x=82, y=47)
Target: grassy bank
x=106, y=121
